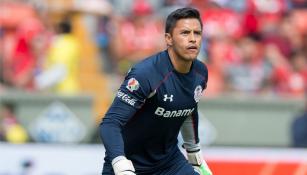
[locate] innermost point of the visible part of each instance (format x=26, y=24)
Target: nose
x=192, y=37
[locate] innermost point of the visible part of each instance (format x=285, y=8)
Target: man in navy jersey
x=156, y=101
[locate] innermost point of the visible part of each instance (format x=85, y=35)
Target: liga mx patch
x=197, y=93
x=132, y=85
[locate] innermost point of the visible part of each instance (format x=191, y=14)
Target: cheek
x=179, y=47
x=199, y=40
x=179, y=42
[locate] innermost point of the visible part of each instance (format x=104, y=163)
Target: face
x=185, y=39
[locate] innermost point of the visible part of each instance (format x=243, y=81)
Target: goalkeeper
x=157, y=100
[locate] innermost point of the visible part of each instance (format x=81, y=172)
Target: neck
x=180, y=65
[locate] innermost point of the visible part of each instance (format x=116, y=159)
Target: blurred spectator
x=7, y=43
x=128, y=31
x=283, y=35
x=278, y=64
x=137, y=36
x=221, y=22
x=221, y=53
x=298, y=3
x=290, y=78
x=298, y=77
x=104, y=28
x=298, y=17
x=23, y=62
x=304, y=45
x=62, y=62
x=2, y=79
x=12, y=130
x=249, y=73
x=22, y=34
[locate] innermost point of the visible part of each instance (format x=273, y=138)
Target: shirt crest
x=197, y=93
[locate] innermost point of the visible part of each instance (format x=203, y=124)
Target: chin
x=190, y=57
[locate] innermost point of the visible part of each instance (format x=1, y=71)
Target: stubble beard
x=184, y=57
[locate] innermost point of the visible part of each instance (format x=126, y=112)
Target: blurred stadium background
x=61, y=62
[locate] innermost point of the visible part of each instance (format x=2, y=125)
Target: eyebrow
x=186, y=29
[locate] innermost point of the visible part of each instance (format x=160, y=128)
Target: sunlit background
x=61, y=62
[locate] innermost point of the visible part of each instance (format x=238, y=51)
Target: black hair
x=182, y=13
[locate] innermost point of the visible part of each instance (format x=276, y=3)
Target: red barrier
x=236, y=161
x=257, y=168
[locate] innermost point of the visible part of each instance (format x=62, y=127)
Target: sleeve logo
x=132, y=85
x=126, y=98
x=197, y=93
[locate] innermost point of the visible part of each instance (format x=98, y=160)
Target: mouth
x=192, y=48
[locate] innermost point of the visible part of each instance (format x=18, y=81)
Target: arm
x=110, y=132
x=189, y=132
x=110, y=128
x=129, y=98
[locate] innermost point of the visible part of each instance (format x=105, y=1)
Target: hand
x=122, y=166
x=202, y=169
x=199, y=165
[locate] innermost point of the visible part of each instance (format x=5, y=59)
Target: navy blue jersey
x=149, y=109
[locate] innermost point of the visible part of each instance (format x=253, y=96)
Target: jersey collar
x=168, y=63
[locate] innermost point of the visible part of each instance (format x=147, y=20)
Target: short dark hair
x=182, y=13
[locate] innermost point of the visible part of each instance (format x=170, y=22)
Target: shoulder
x=150, y=66
x=146, y=71
x=201, y=68
x=145, y=66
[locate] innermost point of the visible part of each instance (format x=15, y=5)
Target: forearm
x=110, y=133
x=189, y=132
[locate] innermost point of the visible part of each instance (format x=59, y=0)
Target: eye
x=197, y=32
x=185, y=32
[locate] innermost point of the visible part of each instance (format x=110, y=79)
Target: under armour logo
x=170, y=98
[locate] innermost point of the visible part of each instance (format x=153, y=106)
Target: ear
x=168, y=39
